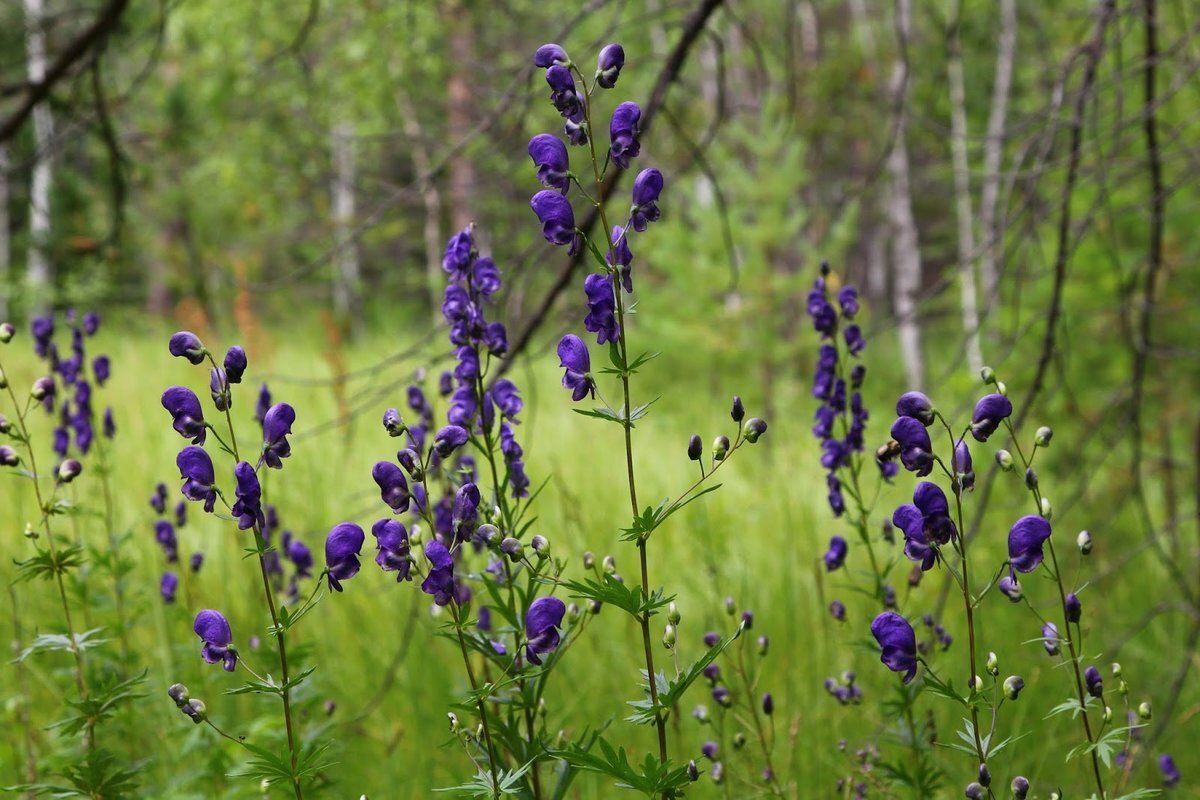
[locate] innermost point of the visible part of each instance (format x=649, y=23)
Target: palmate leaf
x=652, y=779
x=1071, y=704
x=615, y=593
x=50, y=642
x=1139, y=793
x=100, y=705
x=1111, y=742
x=507, y=781
x=276, y=767
x=654, y=516
x=670, y=692
x=46, y=565
x=98, y=775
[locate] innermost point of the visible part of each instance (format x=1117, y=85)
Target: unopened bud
x=195, y=709
x=5, y=425
x=985, y=775
x=488, y=533
x=392, y=423
x=1031, y=478
x=1108, y=714
x=1122, y=687
x=1013, y=685
x=763, y=645
x=720, y=447
x=41, y=387
x=453, y=720
x=1145, y=712
x=1043, y=436
x=739, y=410
x=69, y=470
x=669, y=637
x=1005, y=460
x=730, y=606
x=1001, y=388
x=589, y=560
x=993, y=664
x=1047, y=509
x=512, y=548
x=739, y=740
x=609, y=564
x=974, y=791
x=977, y=684
x=700, y=712
x=573, y=612
x=179, y=693
x=415, y=535
x=673, y=615
x=1084, y=542
x=693, y=772
x=695, y=447
x=1020, y=787
x=3, y=380
x=753, y=429
x=8, y=456
x=540, y=545
x=1116, y=669
x=7, y=331
x=717, y=773
x=988, y=374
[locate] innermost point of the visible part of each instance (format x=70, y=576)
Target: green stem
x=487, y=734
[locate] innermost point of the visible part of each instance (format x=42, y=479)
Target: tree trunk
x=989, y=270
x=38, y=270
x=458, y=117
x=430, y=197
x=906, y=256
x=347, y=303
x=962, y=195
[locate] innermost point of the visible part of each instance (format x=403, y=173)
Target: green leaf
x=670, y=692
x=615, y=593
x=51, y=642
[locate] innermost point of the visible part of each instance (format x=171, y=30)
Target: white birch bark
x=346, y=301
x=993, y=151
x=38, y=268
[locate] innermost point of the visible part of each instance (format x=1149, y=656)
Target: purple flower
x=158, y=500
x=181, y=513
x=164, y=535
x=915, y=447
x=608, y=65
x=298, y=553
x=623, y=133
x=485, y=276
x=1170, y=773
x=557, y=218
x=507, y=398
x=1009, y=587
x=213, y=629
x=465, y=511
x=185, y=344
x=462, y=407
x=440, y=580
x=263, y=405
x=391, y=540
x=248, y=507
x=102, y=369
x=110, y=425
x=647, y=186
x=553, y=164
x=91, y=323
x=495, y=338
x=542, y=623
x=196, y=561
x=917, y=406
x=837, y=610
x=460, y=252
x=620, y=255
x=1072, y=608
x=574, y=359
x=848, y=300
x=835, y=556
x=393, y=489
x=341, y=553
x=898, y=642
x=235, y=364
x=196, y=469
x=277, y=424
x=1095, y=684
x=42, y=329
x=445, y=386
x=601, y=318
x=1050, y=638
x=218, y=387
x=548, y=55
x=925, y=521
x=962, y=465
x=187, y=418
x=447, y=440
x=167, y=586
x=1025, y=541
x=563, y=94
x=855, y=342
x=990, y=411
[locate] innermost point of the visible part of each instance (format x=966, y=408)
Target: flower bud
x=985, y=775
x=973, y=791
x=673, y=615
x=69, y=470
x=540, y=545
x=739, y=740
x=179, y=693
x=1020, y=787
x=195, y=709
x=988, y=374
x=1013, y=685
x=1073, y=608
x=693, y=772
x=670, y=637
x=695, y=447
x=717, y=773
x=730, y=606
x=1047, y=509
x=1001, y=388
x=609, y=564
x=1005, y=460
x=1042, y=437
x=7, y=331
x=573, y=612
x=8, y=456
x=512, y=548
x=768, y=704
x=700, y=712
x=3, y=380
x=1084, y=542
x=1145, y=712
x=976, y=684
x=753, y=429
x=993, y=664
x=720, y=447
x=41, y=388
x=739, y=411
x=5, y=425
x=411, y=462
x=763, y=645
x=453, y=719
x=747, y=619
x=589, y=560
x=594, y=606
x=1031, y=478
x=488, y=533
x=1116, y=669
x=415, y=535
x=392, y=423
x=1108, y=714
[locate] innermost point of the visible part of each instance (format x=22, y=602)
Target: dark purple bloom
x=517, y=478
x=542, y=623
x=647, y=186
x=460, y=252
x=42, y=329
x=709, y=750
x=1072, y=608
x=608, y=65
x=102, y=369
x=925, y=522
x=445, y=386
x=440, y=580
x=248, y=507
x=573, y=357
x=990, y=411
x=298, y=553
x=557, y=218
x=563, y=94
x=184, y=408
x=277, y=424
x=917, y=406
x=196, y=561
x=898, y=642
x=263, y=405
x=495, y=338
x=1025, y=541
x=164, y=534
x=186, y=344
x=62, y=442
x=962, y=465
x=465, y=511
x=449, y=439
x=213, y=629
x=1009, y=587
x=218, y=387
x=837, y=610
x=848, y=300
x=393, y=489
x=855, y=342
x=91, y=323
x=181, y=513
x=601, y=318
x=1050, y=638
x=391, y=541
x=485, y=276
x=235, y=364
x=620, y=255
x=1170, y=773
x=508, y=443
x=768, y=704
x=507, y=398
x=548, y=55
x=341, y=553
x=110, y=425
x=167, y=586
x=835, y=556
x=711, y=639
x=549, y=155
x=1095, y=684
x=915, y=447
x=462, y=407
x=623, y=132
x=158, y=500
x=196, y=469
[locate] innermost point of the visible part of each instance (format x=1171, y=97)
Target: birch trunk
x=906, y=256
x=458, y=117
x=37, y=272
x=989, y=270
x=432, y=200
x=346, y=283
x=962, y=197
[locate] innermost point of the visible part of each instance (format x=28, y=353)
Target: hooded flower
x=646, y=188
x=925, y=521
x=608, y=65
x=248, y=507
x=1050, y=638
x=466, y=511
x=440, y=580
x=915, y=447
x=1095, y=684
x=391, y=542
x=102, y=369
x=393, y=489
x=1170, y=773
x=835, y=556
x=196, y=469
x=164, y=534
x=1025, y=541
x=898, y=641
x=213, y=629
x=601, y=318
x=485, y=276
x=235, y=364
x=621, y=256
x=917, y=406
x=542, y=623
x=548, y=55
x=574, y=359
x=623, y=132
x=563, y=94
x=218, y=387
x=341, y=553
x=507, y=398
x=549, y=155
x=460, y=251
x=449, y=439
x=167, y=586
x=186, y=344
x=277, y=424
x=184, y=408
x=557, y=218
x=962, y=465
x=990, y=411
x=263, y=405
